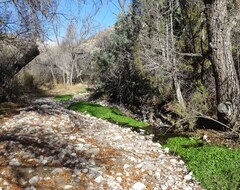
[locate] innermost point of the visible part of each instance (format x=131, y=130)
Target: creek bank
x=47, y=146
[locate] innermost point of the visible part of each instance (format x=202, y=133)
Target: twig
x=207, y=117
x=202, y=116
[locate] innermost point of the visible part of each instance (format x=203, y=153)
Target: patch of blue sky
x=99, y=15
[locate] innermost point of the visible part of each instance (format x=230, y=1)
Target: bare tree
x=19, y=33
x=159, y=56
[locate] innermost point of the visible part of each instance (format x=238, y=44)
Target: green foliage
x=110, y=114
x=199, y=100
x=179, y=109
x=215, y=167
x=63, y=97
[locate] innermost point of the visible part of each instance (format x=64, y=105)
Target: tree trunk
x=219, y=28
x=176, y=83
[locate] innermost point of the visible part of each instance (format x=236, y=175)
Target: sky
x=71, y=11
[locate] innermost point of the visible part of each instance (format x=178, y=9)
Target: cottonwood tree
x=72, y=56
x=22, y=24
x=221, y=17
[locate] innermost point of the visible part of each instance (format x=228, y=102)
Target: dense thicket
x=167, y=49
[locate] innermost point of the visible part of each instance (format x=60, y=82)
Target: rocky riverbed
x=47, y=146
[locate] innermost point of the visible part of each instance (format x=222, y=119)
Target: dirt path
x=49, y=147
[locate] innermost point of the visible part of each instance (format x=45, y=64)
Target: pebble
x=158, y=175
x=166, y=150
x=99, y=179
x=57, y=171
x=34, y=180
x=14, y=162
x=188, y=177
x=92, y=151
x=163, y=187
x=174, y=161
x=68, y=187
x=119, y=179
x=138, y=186
x=77, y=142
x=85, y=171
x=79, y=147
x=181, y=162
x=126, y=166
x=148, y=166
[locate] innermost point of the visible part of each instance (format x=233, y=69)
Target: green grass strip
x=108, y=113
x=63, y=97
x=215, y=167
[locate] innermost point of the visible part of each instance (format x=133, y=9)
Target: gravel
x=65, y=150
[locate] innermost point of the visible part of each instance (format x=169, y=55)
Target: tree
x=19, y=34
x=22, y=25
x=220, y=20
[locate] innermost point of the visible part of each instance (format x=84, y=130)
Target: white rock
x=44, y=162
x=139, y=165
x=74, y=154
x=116, y=138
x=126, y=166
x=14, y=162
x=166, y=150
x=187, y=177
x=68, y=187
x=148, y=166
x=6, y=183
x=77, y=172
x=34, y=180
x=99, y=179
x=85, y=170
x=119, y=179
x=30, y=171
x=132, y=159
x=173, y=161
x=81, y=140
x=57, y=171
x=72, y=137
x=163, y=187
x=47, y=178
x=138, y=186
x=187, y=188
x=79, y=146
x=92, y=151
x=181, y=162
x=158, y=175
x=205, y=137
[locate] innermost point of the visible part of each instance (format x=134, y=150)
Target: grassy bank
x=215, y=167
x=111, y=114
x=63, y=97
